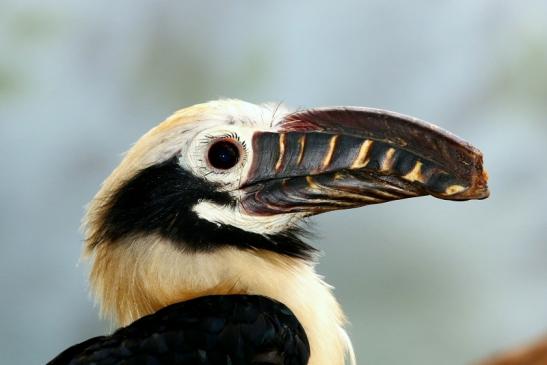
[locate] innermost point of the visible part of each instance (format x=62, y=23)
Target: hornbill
x=196, y=238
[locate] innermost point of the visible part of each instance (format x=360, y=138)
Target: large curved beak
x=338, y=158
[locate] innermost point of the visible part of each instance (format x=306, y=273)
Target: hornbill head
x=211, y=200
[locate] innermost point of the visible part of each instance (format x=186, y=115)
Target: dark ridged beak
x=339, y=158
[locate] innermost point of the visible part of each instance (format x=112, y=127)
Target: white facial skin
x=238, y=127
x=196, y=160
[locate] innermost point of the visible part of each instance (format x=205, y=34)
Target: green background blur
x=423, y=281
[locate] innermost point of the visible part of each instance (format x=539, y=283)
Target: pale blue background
x=423, y=281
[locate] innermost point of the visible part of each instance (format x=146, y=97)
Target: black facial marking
x=160, y=198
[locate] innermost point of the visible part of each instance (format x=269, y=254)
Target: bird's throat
x=137, y=278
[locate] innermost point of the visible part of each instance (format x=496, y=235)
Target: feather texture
x=211, y=330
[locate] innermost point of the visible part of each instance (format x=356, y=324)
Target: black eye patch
x=160, y=200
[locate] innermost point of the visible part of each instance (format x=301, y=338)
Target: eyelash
x=233, y=136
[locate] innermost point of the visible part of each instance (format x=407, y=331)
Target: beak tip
x=478, y=189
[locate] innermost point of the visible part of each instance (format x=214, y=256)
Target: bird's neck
x=136, y=278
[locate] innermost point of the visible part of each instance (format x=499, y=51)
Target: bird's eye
x=223, y=154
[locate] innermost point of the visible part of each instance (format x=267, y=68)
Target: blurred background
x=422, y=280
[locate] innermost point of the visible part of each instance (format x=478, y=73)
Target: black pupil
x=223, y=155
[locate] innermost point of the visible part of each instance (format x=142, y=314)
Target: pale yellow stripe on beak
x=333, y=192
x=415, y=174
x=302, y=144
x=328, y=157
x=388, y=159
x=312, y=183
x=361, y=159
x=454, y=189
x=279, y=162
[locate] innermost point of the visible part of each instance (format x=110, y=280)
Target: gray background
x=422, y=280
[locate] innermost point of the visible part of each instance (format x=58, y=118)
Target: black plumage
x=218, y=329
x=160, y=200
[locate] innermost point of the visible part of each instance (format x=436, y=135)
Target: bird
x=198, y=243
